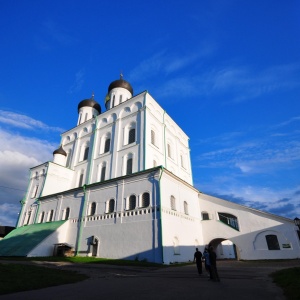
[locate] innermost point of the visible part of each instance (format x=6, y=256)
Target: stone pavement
x=239, y=280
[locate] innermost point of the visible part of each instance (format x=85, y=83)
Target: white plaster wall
x=46, y=247
x=176, y=225
x=253, y=226
x=58, y=179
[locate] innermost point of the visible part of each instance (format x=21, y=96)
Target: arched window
x=86, y=153
x=132, y=202
x=113, y=102
x=129, y=166
x=131, y=136
x=186, y=207
x=111, y=206
x=272, y=242
x=51, y=213
x=69, y=158
x=103, y=171
x=42, y=217
x=172, y=203
x=107, y=145
x=145, y=200
x=153, y=137
x=92, y=209
x=80, y=182
x=169, y=150
x=67, y=213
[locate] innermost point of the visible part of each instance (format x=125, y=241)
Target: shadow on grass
x=19, y=277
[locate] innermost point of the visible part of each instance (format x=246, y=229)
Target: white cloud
x=78, y=83
x=22, y=121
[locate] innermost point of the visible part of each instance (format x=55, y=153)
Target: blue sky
x=228, y=72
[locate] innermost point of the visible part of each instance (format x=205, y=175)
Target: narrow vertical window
x=145, y=200
x=111, y=206
x=121, y=96
x=42, y=217
x=169, y=150
x=67, y=213
x=129, y=166
x=51, y=215
x=86, y=116
x=186, y=208
x=28, y=217
x=132, y=202
x=154, y=163
x=131, y=136
x=152, y=137
x=80, y=180
x=173, y=203
x=34, y=194
x=113, y=102
x=107, y=145
x=92, y=209
x=86, y=153
x=69, y=158
x=103, y=171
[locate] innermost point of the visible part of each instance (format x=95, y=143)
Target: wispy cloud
x=25, y=122
x=78, y=82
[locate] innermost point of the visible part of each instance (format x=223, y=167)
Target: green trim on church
x=22, y=240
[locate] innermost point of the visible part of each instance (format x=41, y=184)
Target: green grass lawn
x=22, y=277
x=289, y=281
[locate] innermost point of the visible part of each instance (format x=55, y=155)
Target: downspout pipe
x=38, y=202
x=145, y=131
x=160, y=212
x=92, y=154
x=81, y=220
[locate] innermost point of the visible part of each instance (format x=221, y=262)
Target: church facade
x=120, y=186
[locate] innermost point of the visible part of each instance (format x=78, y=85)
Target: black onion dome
x=91, y=103
x=121, y=83
x=60, y=150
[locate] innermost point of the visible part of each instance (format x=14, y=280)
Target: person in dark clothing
x=206, y=261
x=198, y=259
x=213, y=265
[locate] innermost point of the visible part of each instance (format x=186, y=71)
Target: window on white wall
x=103, y=171
x=34, y=192
x=107, y=145
x=67, y=213
x=50, y=215
x=129, y=166
x=169, y=149
x=28, y=215
x=131, y=136
x=186, y=207
x=132, y=202
x=80, y=181
x=69, y=154
x=172, y=203
x=110, y=206
x=113, y=101
x=205, y=216
x=153, y=137
x=272, y=242
x=86, y=153
x=92, y=209
x=42, y=216
x=145, y=200
x=154, y=163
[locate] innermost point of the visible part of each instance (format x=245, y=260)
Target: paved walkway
x=239, y=280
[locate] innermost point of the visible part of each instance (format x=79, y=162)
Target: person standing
x=213, y=264
x=206, y=261
x=198, y=259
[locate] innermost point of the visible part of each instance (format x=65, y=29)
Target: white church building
x=120, y=186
